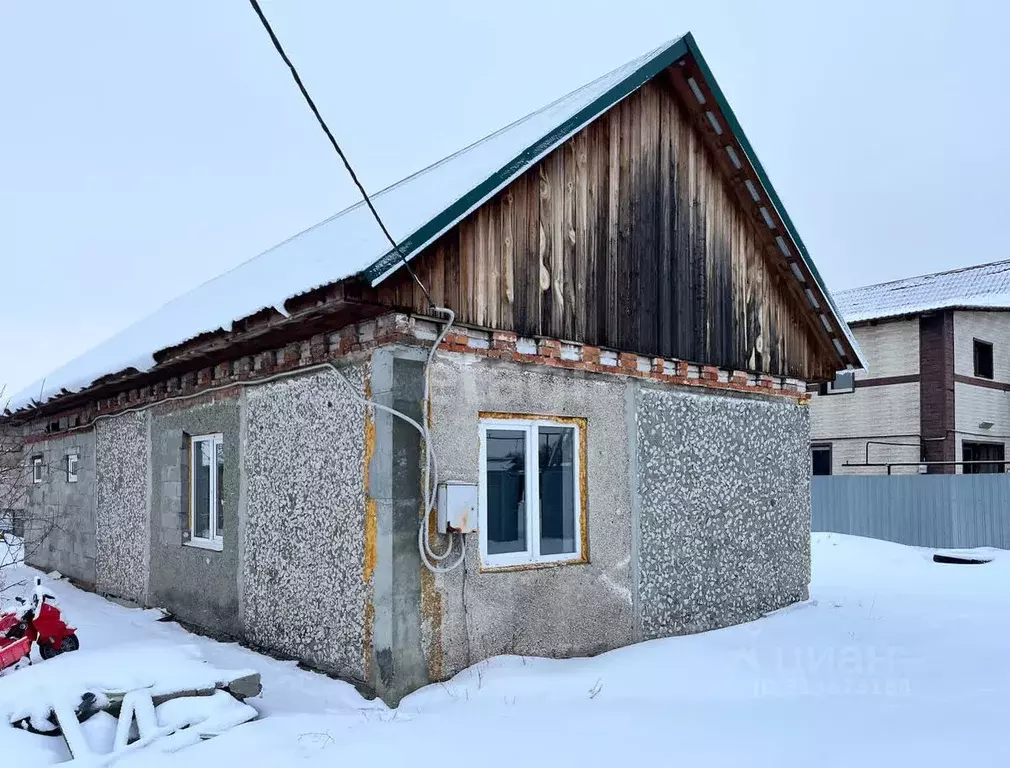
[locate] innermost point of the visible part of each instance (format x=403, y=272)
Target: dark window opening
x=820, y=456
x=983, y=359
x=845, y=381
x=990, y=452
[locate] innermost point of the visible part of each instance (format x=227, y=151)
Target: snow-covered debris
x=33, y=692
x=986, y=286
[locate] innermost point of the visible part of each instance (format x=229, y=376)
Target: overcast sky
x=147, y=147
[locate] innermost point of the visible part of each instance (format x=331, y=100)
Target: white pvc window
x=72, y=459
x=206, y=475
x=36, y=469
x=530, y=497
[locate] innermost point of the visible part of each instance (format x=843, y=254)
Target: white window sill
x=213, y=546
x=533, y=565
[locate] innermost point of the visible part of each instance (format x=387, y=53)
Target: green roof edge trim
x=681, y=47
x=741, y=137
x=378, y=270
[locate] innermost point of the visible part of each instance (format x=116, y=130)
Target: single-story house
x=617, y=439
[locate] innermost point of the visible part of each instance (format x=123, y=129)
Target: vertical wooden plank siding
x=627, y=236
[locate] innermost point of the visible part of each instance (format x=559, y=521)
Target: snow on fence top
x=986, y=286
x=346, y=244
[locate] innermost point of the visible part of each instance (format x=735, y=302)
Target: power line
x=329, y=134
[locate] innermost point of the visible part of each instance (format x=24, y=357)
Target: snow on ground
x=894, y=660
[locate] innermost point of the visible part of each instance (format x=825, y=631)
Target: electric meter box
x=457, y=507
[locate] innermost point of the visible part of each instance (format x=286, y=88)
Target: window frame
x=38, y=466
x=831, y=458
x=976, y=344
x=1000, y=465
x=832, y=389
x=216, y=539
x=531, y=556
x=73, y=461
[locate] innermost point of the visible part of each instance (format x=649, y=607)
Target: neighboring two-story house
x=936, y=394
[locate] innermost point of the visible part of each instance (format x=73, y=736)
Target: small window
x=206, y=476
x=820, y=456
x=845, y=381
x=72, y=467
x=36, y=469
x=531, y=505
x=982, y=353
x=982, y=452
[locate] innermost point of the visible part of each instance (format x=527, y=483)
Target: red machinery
x=39, y=622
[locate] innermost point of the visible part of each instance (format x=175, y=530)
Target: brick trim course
x=398, y=328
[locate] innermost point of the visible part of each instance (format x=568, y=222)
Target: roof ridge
x=918, y=277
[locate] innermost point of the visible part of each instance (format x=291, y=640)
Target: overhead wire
x=431, y=559
x=336, y=146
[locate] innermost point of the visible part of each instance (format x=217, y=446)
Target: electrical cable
x=333, y=141
x=429, y=557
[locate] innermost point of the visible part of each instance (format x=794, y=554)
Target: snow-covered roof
x=985, y=286
x=416, y=211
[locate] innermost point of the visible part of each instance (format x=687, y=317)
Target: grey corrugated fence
x=922, y=510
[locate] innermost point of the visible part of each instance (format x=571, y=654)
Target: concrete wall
x=567, y=610
x=304, y=576
x=62, y=509
x=724, y=498
x=122, y=506
x=698, y=515
x=888, y=412
x=199, y=586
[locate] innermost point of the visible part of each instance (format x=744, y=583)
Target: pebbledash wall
x=698, y=515
x=698, y=506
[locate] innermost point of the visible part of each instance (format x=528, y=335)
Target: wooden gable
x=627, y=236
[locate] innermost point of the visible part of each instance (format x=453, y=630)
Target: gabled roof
x=416, y=211
x=985, y=286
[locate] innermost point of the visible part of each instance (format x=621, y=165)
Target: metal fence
x=922, y=510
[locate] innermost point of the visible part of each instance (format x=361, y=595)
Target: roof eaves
x=766, y=184
x=412, y=244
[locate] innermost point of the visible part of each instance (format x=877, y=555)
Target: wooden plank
x=537, y=272
x=493, y=265
x=585, y=254
x=602, y=228
x=522, y=258
x=547, y=298
x=649, y=222
x=667, y=226
x=571, y=171
x=507, y=294
x=613, y=323
x=480, y=266
x=680, y=194
x=558, y=238
x=625, y=255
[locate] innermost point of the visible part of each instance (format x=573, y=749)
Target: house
x=935, y=398
x=617, y=414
